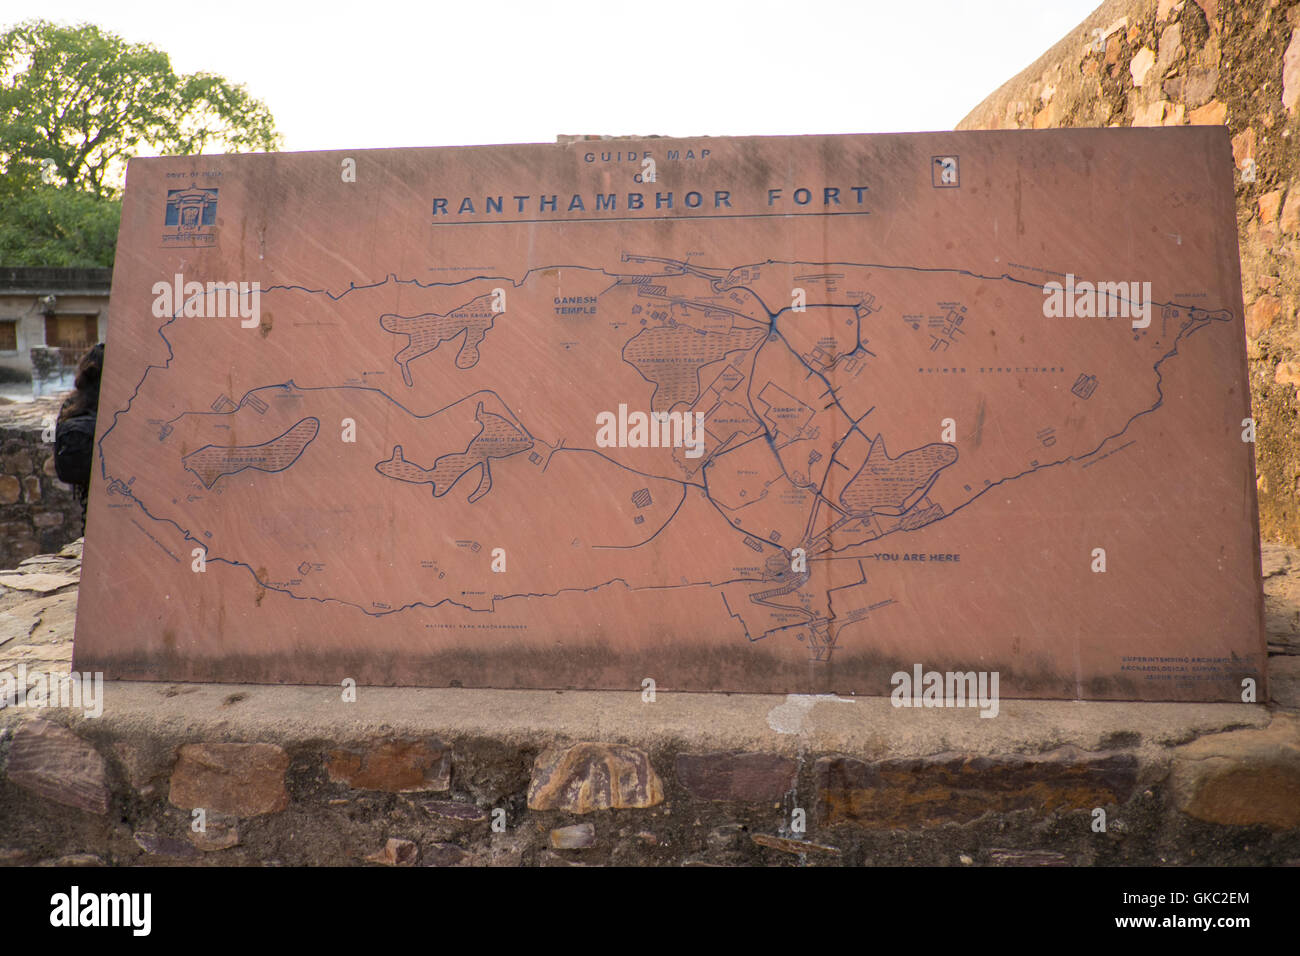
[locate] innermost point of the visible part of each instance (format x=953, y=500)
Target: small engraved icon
x=190, y=217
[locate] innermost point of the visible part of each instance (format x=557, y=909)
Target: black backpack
x=74, y=445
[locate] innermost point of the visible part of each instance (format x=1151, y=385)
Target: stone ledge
x=867, y=726
x=408, y=776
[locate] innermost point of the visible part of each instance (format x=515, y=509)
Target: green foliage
x=75, y=104
x=53, y=226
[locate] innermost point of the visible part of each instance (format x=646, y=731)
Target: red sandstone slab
x=419, y=451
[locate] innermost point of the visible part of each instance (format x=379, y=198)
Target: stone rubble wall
x=38, y=513
x=1204, y=62
x=83, y=791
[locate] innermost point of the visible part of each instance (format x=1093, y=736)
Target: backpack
x=74, y=446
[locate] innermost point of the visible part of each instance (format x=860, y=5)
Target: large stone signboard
x=805, y=414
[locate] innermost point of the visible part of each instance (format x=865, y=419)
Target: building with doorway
x=48, y=318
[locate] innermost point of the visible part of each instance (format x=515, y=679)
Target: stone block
x=1141, y=65
x=787, y=845
x=16, y=462
x=1261, y=315
x=1213, y=113
x=593, y=776
x=1243, y=147
x=22, y=548
x=742, y=777
x=396, y=852
x=50, y=539
x=442, y=854
x=1290, y=217
x=54, y=763
x=220, y=832
x=1241, y=778
x=1284, y=680
x=1151, y=115
x=241, y=779
x=1171, y=44
x=73, y=860
x=1291, y=73
x=1027, y=858
x=580, y=836
x=155, y=845
x=47, y=519
x=958, y=788
x=394, y=766
x=38, y=582
x=1196, y=88
x=1269, y=204
x=455, y=810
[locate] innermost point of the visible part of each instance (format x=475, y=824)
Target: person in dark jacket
x=74, y=434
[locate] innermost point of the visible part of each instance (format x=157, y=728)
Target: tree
x=58, y=226
x=75, y=104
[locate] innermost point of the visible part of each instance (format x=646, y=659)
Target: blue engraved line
x=682, y=218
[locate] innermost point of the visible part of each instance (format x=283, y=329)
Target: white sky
x=368, y=73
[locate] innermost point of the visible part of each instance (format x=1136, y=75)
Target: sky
x=353, y=74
